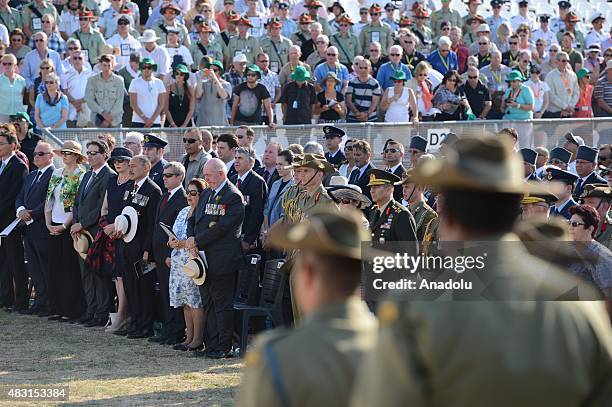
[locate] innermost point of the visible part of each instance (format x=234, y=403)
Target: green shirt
x=278, y=51
x=381, y=33
x=248, y=46
x=348, y=47
x=34, y=22
x=91, y=41
x=213, y=49
x=11, y=19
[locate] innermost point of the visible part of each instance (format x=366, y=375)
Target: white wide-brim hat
x=127, y=223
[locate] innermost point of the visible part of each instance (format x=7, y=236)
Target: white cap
x=596, y=15
x=483, y=28
x=240, y=58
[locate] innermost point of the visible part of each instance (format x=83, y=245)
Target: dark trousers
x=218, y=297
x=143, y=6
x=551, y=115
x=137, y=125
x=37, y=252
x=172, y=318
x=13, y=277
x=98, y=292
x=66, y=296
x=138, y=290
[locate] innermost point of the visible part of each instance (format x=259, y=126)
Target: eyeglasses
x=193, y=192
x=576, y=224
x=73, y=48
x=147, y=67
x=391, y=150
x=168, y=175
x=39, y=40
x=553, y=50
x=329, y=54
x=16, y=39
x=50, y=82
x=7, y=63
x=348, y=148
x=348, y=201
x=93, y=153
x=513, y=42
x=396, y=55
x=189, y=140
x=472, y=77
x=373, y=50
x=409, y=42
x=374, y=14
x=77, y=58
x=40, y=153
x=46, y=22
x=563, y=60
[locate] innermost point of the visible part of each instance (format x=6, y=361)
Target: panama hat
x=472, y=163
x=127, y=223
x=148, y=36
x=82, y=242
x=70, y=146
x=339, y=189
x=195, y=268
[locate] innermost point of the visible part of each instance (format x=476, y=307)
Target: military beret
x=529, y=155
x=586, y=153
x=333, y=131
x=557, y=174
x=382, y=177
x=151, y=140
x=418, y=143
x=561, y=154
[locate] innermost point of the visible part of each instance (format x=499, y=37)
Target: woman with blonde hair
x=38, y=86
x=12, y=88
x=51, y=108
x=423, y=91
x=504, y=31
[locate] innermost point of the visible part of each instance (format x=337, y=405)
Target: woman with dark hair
x=184, y=293
x=597, y=264
x=181, y=100
x=450, y=99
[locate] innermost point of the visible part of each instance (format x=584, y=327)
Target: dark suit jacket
x=591, y=179
x=363, y=181
x=167, y=215
x=398, y=193
x=565, y=210
x=33, y=197
x=88, y=203
x=336, y=160
x=232, y=174
x=157, y=174
x=217, y=226
x=145, y=201
x=11, y=181
x=255, y=193
x=273, y=177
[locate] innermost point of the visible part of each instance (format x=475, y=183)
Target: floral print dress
x=183, y=291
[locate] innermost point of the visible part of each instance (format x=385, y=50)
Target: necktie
x=238, y=183
x=2, y=167
x=266, y=176
x=354, y=176
x=390, y=170
x=37, y=178
x=89, y=182
x=164, y=201
x=578, y=186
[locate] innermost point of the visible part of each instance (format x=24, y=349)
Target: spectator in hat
x=169, y=14
x=564, y=91
x=495, y=19
x=583, y=106
x=180, y=105
x=298, y=98
x=243, y=43
x=416, y=148
x=203, y=46
x=151, y=50
x=518, y=101
x=470, y=35
x=593, y=62
x=25, y=136
x=254, y=97
x=12, y=87
x=544, y=32
x=586, y=164
x=275, y=46
x=422, y=31
x=575, y=56
x=523, y=17
x=345, y=40
x=153, y=149
x=201, y=14
x=214, y=92
x=472, y=13
x=557, y=23
x=450, y=99
x=389, y=18
x=443, y=59
x=603, y=92
x=399, y=100
x=445, y=13
x=577, y=37
x=124, y=41
x=108, y=24
x=333, y=138
x=597, y=35
x=375, y=31
x=529, y=157
x=147, y=96
x=289, y=25
x=540, y=90
x=179, y=54
x=91, y=40
x=330, y=106
x=559, y=157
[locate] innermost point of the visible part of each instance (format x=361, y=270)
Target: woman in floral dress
x=183, y=290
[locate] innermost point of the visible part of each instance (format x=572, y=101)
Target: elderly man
x=31, y=63
x=207, y=143
x=443, y=59
x=268, y=169
x=195, y=156
x=477, y=94
x=133, y=141
x=75, y=86
x=331, y=64
x=364, y=92
x=216, y=228
x=564, y=91
x=54, y=39
x=386, y=71
x=104, y=95
x=295, y=53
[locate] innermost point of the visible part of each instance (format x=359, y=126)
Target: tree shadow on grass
x=208, y=397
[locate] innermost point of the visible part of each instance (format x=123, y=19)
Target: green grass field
x=108, y=370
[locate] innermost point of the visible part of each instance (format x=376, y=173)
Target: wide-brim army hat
x=597, y=191
x=315, y=161
x=82, y=242
x=406, y=177
x=325, y=231
x=472, y=163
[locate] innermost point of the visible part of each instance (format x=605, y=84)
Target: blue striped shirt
x=361, y=93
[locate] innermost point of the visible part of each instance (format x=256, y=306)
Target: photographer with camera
x=450, y=98
x=518, y=100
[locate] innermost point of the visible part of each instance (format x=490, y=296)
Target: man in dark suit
x=246, y=137
x=529, y=156
x=586, y=163
x=226, y=148
x=216, y=228
x=30, y=205
x=255, y=192
x=153, y=148
x=13, y=172
x=172, y=202
x=144, y=197
x=564, y=197
x=362, y=153
x=333, y=139
x=394, y=154
x=268, y=170
x=98, y=289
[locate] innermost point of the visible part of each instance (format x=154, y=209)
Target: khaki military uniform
x=348, y=47
x=278, y=51
x=213, y=49
x=313, y=364
x=31, y=19
x=431, y=235
x=299, y=37
x=325, y=28
x=425, y=37
x=161, y=31
x=92, y=42
x=423, y=214
x=605, y=232
x=248, y=46
x=11, y=19
x=496, y=353
x=382, y=34
x=440, y=15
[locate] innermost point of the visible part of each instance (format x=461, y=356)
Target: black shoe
x=219, y=354
x=180, y=346
x=85, y=319
x=44, y=312
x=145, y=333
x=95, y=322
x=158, y=339
x=198, y=353
x=54, y=318
x=173, y=340
x=196, y=349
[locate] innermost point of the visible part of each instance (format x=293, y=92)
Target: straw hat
x=82, y=242
x=195, y=269
x=71, y=146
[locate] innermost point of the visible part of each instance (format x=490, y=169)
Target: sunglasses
x=331, y=55
x=189, y=140
x=147, y=67
x=124, y=23
x=451, y=80
x=553, y=50
x=374, y=14
x=168, y=175
x=72, y=48
x=563, y=60
x=16, y=39
x=344, y=25
x=46, y=22
x=363, y=13
x=391, y=150
x=120, y=161
x=50, y=82
x=373, y=50
x=7, y=64
x=348, y=201
x=321, y=42
x=483, y=43
x=40, y=153
x=84, y=19
x=39, y=40
x=444, y=51
x=93, y=153
x=66, y=153
x=513, y=43
x=396, y=55
x=576, y=224
x=77, y=58
x=348, y=148
x=193, y=192
x=472, y=77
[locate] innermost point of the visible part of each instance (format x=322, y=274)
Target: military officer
x=600, y=198
x=529, y=156
x=422, y=31
x=445, y=14
x=333, y=138
x=315, y=364
x=375, y=31
x=571, y=20
x=243, y=43
x=303, y=34
x=564, y=197
x=153, y=148
x=205, y=47
x=230, y=31
x=169, y=14
x=275, y=45
x=481, y=182
x=10, y=17
x=586, y=164
x=389, y=220
x=537, y=206
x=90, y=38
x=346, y=42
x=559, y=157
x=496, y=19
x=523, y=17
x=414, y=200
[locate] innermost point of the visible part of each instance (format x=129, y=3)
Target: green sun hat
x=253, y=68
x=582, y=72
x=300, y=74
x=398, y=75
x=182, y=69
x=148, y=61
x=515, y=76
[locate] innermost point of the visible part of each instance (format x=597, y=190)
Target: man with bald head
x=215, y=228
x=207, y=143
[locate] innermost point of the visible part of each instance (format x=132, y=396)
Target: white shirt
x=395, y=167
x=4, y=35
x=243, y=176
x=5, y=162
x=75, y=84
x=220, y=187
x=182, y=51
x=126, y=46
x=161, y=58
x=229, y=165
x=139, y=184
x=538, y=90
x=560, y=207
x=549, y=36
x=147, y=93
x=173, y=192
x=69, y=22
